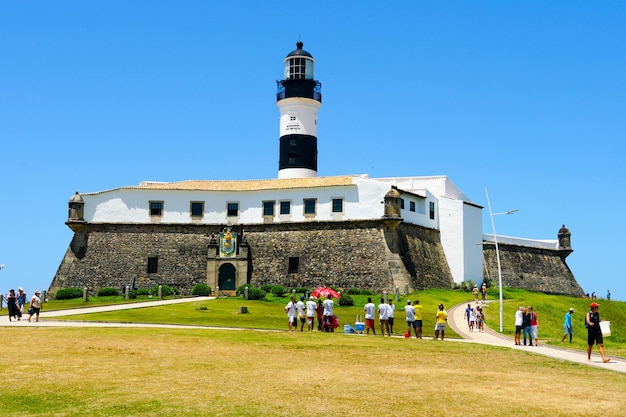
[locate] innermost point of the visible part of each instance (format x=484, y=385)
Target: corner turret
x=76, y=212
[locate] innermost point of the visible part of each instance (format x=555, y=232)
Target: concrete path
x=456, y=320
x=45, y=316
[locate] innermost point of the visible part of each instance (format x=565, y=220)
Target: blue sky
x=525, y=99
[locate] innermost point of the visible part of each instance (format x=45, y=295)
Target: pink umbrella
x=324, y=292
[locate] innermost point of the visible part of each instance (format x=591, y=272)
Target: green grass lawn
x=171, y=372
x=269, y=313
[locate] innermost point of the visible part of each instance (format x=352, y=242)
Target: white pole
x=495, y=241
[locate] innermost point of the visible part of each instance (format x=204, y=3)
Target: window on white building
x=285, y=207
x=337, y=205
x=156, y=208
x=309, y=205
x=268, y=208
x=197, y=208
x=232, y=209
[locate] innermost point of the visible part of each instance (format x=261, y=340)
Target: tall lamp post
x=495, y=241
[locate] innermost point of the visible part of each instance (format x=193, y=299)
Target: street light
x=495, y=241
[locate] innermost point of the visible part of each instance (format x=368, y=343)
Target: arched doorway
x=226, y=280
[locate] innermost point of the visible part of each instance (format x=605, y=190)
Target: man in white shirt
x=409, y=310
x=370, y=309
x=392, y=313
x=328, y=314
x=290, y=309
x=301, y=313
x=383, y=316
x=310, y=313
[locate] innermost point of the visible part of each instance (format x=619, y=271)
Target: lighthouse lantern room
x=299, y=98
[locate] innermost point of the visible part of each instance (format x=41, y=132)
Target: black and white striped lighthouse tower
x=299, y=98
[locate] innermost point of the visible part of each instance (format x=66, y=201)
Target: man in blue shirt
x=567, y=325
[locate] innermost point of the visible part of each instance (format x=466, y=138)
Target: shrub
x=255, y=294
x=107, y=291
x=201, y=289
x=166, y=290
x=267, y=287
x=303, y=290
x=132, y=294
x=68, y=294
x=279, y=290
x=356, y=291
x=242, y=288
x=142, y=291
x=346, y=300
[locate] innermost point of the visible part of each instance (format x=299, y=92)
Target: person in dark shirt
x=594, y=334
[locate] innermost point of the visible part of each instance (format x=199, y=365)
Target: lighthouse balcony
x=299, y=88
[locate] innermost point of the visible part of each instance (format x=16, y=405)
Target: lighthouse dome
x=299, y=51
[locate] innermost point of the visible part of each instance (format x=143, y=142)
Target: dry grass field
x=147, y=372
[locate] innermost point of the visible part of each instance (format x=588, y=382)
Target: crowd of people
x=301, y=313
x=306, y=312
x=475, y=318
x=526, y=324
x=16, y=301
x=526, y=321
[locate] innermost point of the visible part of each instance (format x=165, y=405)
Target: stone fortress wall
x=373, y=255
x=365, y=255
x=531, y=268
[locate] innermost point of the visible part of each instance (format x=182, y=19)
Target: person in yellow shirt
x=418, y=318
x=442, y=318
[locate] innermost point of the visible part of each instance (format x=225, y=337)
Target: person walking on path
x=35, y=306
x=519, y=323
x=442, y=318
x=12, y=307
x=383, y=316
x=567, y=325
x=472, y=319
x=534, y=327
x=475, y=292
x=466, y=316
x=391, y=309
x=409, y=310
x=483, y=292
x=480, y=319
x=370, y=310
x=418, y=317
x=594, y=334
x=21, y=299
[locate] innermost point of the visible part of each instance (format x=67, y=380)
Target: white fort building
x=297, y=230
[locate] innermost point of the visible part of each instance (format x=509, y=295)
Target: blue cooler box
x=359, y=326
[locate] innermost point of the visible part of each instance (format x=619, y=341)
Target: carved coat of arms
x=228, y=243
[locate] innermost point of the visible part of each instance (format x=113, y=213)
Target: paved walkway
x=456, y=320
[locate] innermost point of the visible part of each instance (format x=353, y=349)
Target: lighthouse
x=299, y=98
